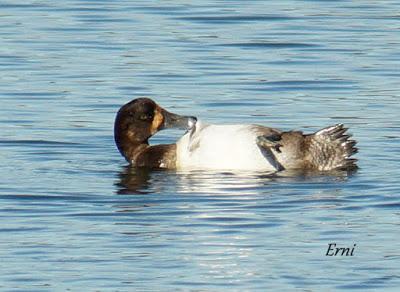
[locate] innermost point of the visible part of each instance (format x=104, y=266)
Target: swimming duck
x=226, y=147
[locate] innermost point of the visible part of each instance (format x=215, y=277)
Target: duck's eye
x=145, y=117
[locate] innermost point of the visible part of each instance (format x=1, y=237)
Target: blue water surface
x=75, y=217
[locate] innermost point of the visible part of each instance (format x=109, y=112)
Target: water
x=74, y=216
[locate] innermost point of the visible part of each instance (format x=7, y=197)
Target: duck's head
x=140, y=119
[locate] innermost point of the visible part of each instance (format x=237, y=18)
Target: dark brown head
x=140, y=119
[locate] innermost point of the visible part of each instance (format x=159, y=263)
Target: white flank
x=221, y=147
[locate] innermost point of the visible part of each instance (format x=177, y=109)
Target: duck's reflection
x=133, y=180
x=141, y=181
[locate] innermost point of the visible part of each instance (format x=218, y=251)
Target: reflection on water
x=134, y=180
x=222, y=226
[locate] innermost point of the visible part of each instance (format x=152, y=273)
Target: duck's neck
x=132, y=152
x=141, y=154
x=130, y=147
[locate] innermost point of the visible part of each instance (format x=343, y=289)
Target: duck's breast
x=223, y=147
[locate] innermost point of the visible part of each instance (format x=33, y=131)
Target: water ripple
x=76, y=217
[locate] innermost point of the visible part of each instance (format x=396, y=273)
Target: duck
x=229, y=147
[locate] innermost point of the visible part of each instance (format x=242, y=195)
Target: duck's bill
x=177, y=121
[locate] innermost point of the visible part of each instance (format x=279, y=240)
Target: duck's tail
x=331, y=148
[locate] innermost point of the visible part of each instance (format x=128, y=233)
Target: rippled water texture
x=74, y=216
